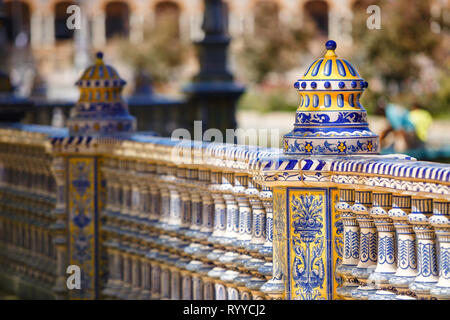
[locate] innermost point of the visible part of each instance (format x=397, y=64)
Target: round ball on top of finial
x=330, y=45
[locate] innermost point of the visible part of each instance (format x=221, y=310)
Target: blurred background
x=152, y=45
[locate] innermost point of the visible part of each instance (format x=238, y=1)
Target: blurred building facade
x=39, y=26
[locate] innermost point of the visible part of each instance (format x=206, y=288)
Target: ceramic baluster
x=208, y=285
x=185, y=197
x=59, y=227
x=125, y=289
x=193, y=187
x=387, y=259
x=350, y=256
x=232, y=209
x=186, y=283
x=406, y=245
x=145, y=276
x=245, y=210
x=266, y=197
x=155, y=280
x=258, y=217
x=441, y=223
x=220, y=291
x=174, y=221
x=165, y=260
x=197, y=284
x=164, y=201
x=208, y=209
x=219, y=207
x=241, y=282
x=136, y=280
x=427, y=269
x=367, y=244
x=154, y=195
x=255, y=284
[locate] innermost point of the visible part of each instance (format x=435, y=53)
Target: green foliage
x=280, y=99
x=440, y=100
x=159, y=54
x=275, y=47
x=391, y=54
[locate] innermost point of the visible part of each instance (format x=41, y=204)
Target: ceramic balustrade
x=30, y=207
x=213, y=226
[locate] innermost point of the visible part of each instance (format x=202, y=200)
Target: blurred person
x=422, y=120
x=400, y=132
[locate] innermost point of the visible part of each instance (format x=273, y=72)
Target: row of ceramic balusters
x=395, y=246
x=185, y=232
x=27, y=189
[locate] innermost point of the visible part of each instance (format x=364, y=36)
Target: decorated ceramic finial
x=330, y=118
x=100, y=109
x=330, y=45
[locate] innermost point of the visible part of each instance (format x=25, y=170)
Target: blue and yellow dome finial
x=100, y=110
x=330, y=118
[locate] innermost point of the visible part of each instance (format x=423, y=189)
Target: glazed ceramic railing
x=214, y=221
x=27, y=211
x=186, y=221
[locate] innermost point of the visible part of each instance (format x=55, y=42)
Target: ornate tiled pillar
x=387, y=259
x=406, y=245
x=367, y=244
x=92, y=133
x=330, y=121
x=427, y=268
x=441, y=223
x=351, y=243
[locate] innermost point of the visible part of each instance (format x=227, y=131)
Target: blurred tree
x=160, y=53
x=391, y=53
x=274, y=46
